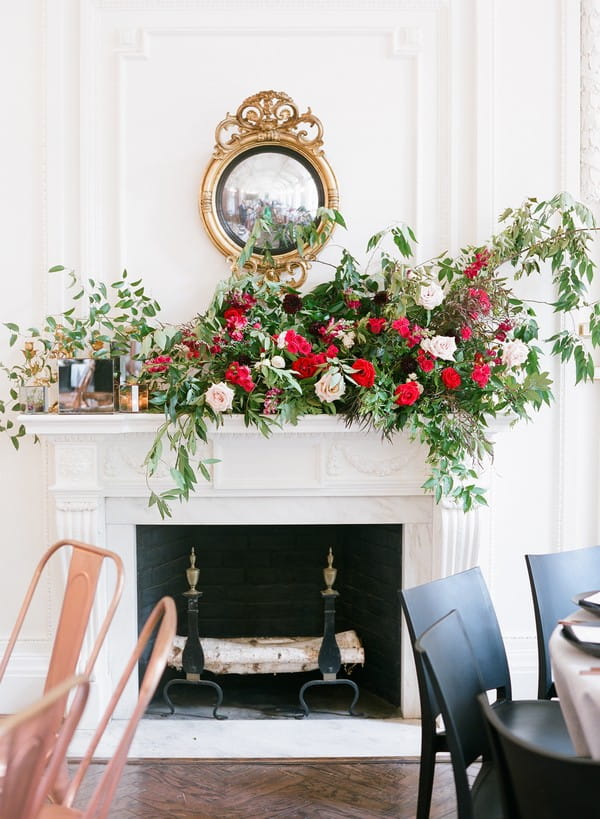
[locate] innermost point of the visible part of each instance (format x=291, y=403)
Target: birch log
x=267, y=655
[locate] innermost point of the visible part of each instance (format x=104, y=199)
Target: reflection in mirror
x=268, y=173
x=272, y=183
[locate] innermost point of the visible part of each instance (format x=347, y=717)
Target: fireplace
x=265, y=581
x=318, y=473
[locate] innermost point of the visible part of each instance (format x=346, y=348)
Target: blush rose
x=219, y=397
x=514, y=353
x=440, y=347
x=330, y=386
x=430, y=295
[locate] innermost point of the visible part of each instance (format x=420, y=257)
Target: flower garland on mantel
x=436, y=348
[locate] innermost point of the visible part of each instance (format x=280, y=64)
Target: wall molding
x=590, y=100
x=271, y=5
x=406, y=42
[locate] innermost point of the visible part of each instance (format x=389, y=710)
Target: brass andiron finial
x=329, y=574
x=192, y=574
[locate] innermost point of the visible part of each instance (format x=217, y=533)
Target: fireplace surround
x=320, y=472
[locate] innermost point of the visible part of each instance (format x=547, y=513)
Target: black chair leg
x=426, y=773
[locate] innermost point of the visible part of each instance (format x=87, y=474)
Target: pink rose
x=440, y=347
x=219, y=397
x=330, y=386
x=514, y=353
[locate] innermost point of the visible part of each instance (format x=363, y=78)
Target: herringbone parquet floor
x=270, y=789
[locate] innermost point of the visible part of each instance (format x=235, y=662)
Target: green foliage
x=436, y=348
x=104, y=325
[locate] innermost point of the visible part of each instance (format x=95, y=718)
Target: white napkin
x=586, y=634
x=593, y=598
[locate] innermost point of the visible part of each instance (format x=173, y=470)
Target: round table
x=579, y=693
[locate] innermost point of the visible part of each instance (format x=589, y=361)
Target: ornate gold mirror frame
x=268, y=162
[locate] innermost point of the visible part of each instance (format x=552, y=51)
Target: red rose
x=376, y=325
x=466, y=333
x=236, y=321
x=160, y=364
x=407, y=393
x=402, y=326
x=233, y=315
x=295, y=343
x=240, y=374
x=305, y=366
x=481, y=374
x=481, y=260
x=482, y=297
x=450, y=378
x=365, y=373
x=425, y=361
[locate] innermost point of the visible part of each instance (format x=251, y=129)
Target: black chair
x=554, y=579
x=537, y=783
x=452, y=669
x=467, y=593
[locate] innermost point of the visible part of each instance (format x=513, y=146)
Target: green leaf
x=178, y=478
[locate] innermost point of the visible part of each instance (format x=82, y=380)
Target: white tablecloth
x=579, y=694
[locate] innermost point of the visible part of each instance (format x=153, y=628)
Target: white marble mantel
x=319, y=471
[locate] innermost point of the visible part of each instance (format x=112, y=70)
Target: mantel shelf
x=52, y=424
x=119, y=423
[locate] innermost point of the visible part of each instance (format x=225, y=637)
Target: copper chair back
x=163, y=622
x=32, y=752
x=85, y=565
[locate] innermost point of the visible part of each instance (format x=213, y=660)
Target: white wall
x=436, y=113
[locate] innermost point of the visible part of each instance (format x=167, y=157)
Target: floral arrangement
x=436, y=348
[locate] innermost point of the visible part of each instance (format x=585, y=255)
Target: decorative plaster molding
x=337, y=455
x=401, y=42
x=74, y=463
x=124, y=461
x=74, y=506
x=407, y=41
x=341, y=6
x=590, y=100
x=132, y=43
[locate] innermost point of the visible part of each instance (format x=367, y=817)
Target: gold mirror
x=268, y=163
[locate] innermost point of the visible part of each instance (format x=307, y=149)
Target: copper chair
x=85, y=565
x=163, y=621
x=32, y=753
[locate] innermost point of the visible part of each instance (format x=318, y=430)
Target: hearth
x=262, y=580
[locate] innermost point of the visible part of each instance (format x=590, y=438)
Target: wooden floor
x=294, y=789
